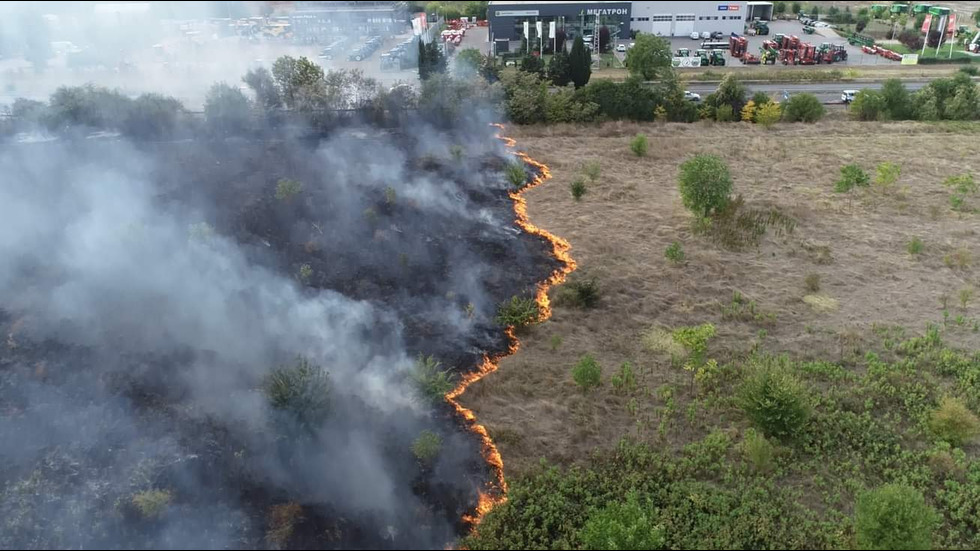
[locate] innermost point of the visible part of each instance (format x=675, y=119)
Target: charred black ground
x=147, y=290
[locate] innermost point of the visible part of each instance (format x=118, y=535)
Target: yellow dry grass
x=856, y=242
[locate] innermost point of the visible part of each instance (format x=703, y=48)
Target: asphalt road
x=825, y=91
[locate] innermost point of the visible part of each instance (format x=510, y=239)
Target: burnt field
x=212, y=343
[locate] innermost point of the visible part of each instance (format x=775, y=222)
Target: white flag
x=551, y=30
x=537, y=27
x=527, y=29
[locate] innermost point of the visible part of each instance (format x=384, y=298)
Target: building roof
x=758, y=3
x=520, y=3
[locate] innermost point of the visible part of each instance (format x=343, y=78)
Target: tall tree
x=581, y=63
x=560, y=39
x=649, y=57
x=603, y=38
x=560, y=69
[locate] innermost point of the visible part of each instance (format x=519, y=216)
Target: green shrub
x=592, y=170
x=391, y=196
x=851, y=176
x=456, y=152
x=773, y=398
x=724, y=113
x=152, y=503
x=674, y=253
x=578, y=188
x=304, y=274
x=962, y=186
x=953, y=422
x=960, y=258
x=705, y=184
x=301, y=390
x=915, y=246
x=803, y=108
x=201, y=232
x=966, y=295
x=868, y=105
x=516, y=174
x=639, y=145
x=629, y=525
x=695, y=342
x=584, y=293
x=625, y=380
x=286, y=189
x=427, y=447
x=886, y=175
x=430, y=379
x=518, y=312
x=758, y=451
x=768, y=114
x=894, y=516
x=812, y=282
x=587, y=374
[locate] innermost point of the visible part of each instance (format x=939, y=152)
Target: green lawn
x=958, y=51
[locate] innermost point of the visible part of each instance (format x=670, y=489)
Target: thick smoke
x=148, y=290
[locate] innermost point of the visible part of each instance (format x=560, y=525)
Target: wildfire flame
x=497, y=489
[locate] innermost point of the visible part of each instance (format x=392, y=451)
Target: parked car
x=847, y=96
x=717, y=34
x=705, y=35
x=621, y=48
x=695, y=36
x=691, y=96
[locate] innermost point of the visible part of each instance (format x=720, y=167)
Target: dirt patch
x=856, y=243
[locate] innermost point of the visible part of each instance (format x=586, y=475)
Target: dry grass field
x=856, y=244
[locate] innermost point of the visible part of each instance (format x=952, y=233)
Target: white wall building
x=681, y=18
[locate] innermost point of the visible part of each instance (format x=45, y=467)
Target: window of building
x=685, y=18
x=663, y=17
x=644, y=19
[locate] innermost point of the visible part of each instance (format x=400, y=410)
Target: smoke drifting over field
x=148, y=290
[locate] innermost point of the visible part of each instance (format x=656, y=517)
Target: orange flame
x=497, y=489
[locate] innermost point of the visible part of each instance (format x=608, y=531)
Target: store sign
x=686, y=62
x=728, y=7
x=606, y=11
x=517, y=13
x=910, y=59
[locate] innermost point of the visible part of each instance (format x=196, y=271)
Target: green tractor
x=717, y=58
x=703, y=54
x=684, y=52
x=809, y=30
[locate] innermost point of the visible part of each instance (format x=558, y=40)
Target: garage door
x=684, y=25
x=661, y=24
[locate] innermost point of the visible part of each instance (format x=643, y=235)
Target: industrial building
x=316, y=22
x=672, y=18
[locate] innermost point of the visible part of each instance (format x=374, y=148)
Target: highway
x=825, y=91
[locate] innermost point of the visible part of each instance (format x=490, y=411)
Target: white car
x=621, y=48
x=847, y=96
x=695, y=36
x=691, y=96
x=705, y=35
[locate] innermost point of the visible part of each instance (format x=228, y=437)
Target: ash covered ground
x=148, y=290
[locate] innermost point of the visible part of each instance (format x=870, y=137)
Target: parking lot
x=854, y=54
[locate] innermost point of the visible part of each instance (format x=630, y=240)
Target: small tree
x=730, y=92
x=587, y=374
x=427, y=447
x=639, y=145
x=301, y=392
x=286, y=189
x=581, y=63
x=152, y=504
x=532, y=64
x=868, y=105
x=629, y=525
x=748, y=112
x=468, y=62
x=886, y=175
x=897, y=102
x=894, y=516
x=773, y=398
x=430, y=379
x=803, y=108
x=226, y=109
x=795, y=8
x=705, y=184
x=518, y=312
x=779, y=8
x=578, y=189
x=649, y=57
x=768, y=114
x=851, y=176
x=953, y=422
x=560, y=69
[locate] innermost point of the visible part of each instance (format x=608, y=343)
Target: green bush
x=868, y=105
x=430, y=379
x=724, y=113
x=625, y=380
x=587, y=374
x=516, y=174
x=629, y=525
x=894, y=516
x=758, y=451
x=915, y=246
x=152, y=503
x=773, y=398
x=584, y=293
x=578, y=189
x=305, y=274
x=705, y=184
x=300, y=390
x=962, y=186
x=639, y=145
x=592, y=170
x=518, y=312
x=768, y=114
x=886, y=175
x=674, y=253
x=287, y=189
x=851, y=176
x=803, y=108
x=953, y=422
x=427, y=447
